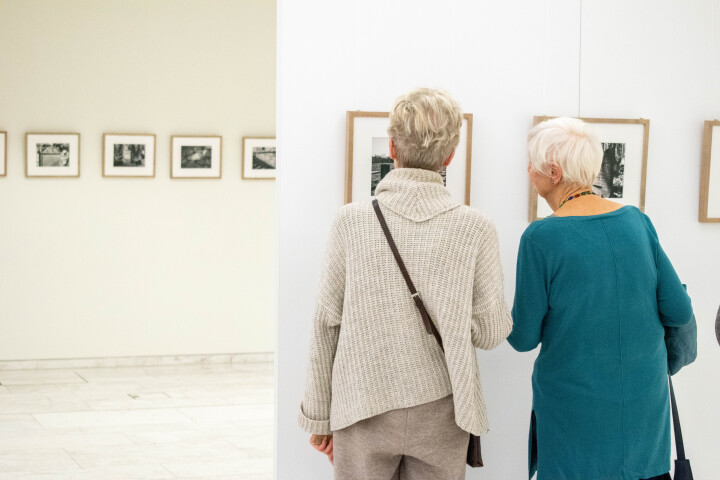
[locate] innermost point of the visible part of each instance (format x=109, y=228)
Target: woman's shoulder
x=474, y=219
x=635, y=219
x=348, y=215
x=543, y=228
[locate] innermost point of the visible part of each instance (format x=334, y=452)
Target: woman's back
x=595, y=291
x=385, y=359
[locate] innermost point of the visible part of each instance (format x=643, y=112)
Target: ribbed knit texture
x=370, y=352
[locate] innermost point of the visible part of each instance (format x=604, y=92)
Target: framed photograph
x=3, y=154
x=258, y=158
x=128, y=155
x=710, y=174
x=367, y=157
x=52, y=154
x=624, y=165
x=196, y=156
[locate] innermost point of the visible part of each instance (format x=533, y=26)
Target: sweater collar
x=415, y=194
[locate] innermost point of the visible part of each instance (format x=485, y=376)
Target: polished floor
x=127, y=423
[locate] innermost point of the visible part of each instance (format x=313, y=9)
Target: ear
x=391, y=147
x=556, y=173
x=449, y=159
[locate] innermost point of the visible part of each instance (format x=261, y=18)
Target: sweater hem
x=474, y=430
x=360, y=416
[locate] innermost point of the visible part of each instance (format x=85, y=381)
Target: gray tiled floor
x=210, y=422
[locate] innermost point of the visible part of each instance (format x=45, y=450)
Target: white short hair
x=425, y=128
x=569, y=143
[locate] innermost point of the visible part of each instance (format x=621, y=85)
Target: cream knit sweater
x=370, y=352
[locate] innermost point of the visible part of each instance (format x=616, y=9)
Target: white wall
x=505, y=62
x=96, y=267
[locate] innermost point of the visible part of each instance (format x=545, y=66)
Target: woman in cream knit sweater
x=382, y=399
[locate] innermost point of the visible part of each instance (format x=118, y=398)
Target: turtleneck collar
x=415, y=194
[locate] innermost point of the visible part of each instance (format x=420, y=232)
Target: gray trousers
x=415, y=443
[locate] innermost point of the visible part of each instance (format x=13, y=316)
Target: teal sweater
x=596, y=291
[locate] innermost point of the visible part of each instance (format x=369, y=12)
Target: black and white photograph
x=196, y=156
x=52, y=155
x=709, y=211
x=368, y=160
x=199, y=156
x=3, y=154
x=622, y=174
x=129, y=155
x=382, y=164
x=259, y=159
x=263, y=158
x=609, y=182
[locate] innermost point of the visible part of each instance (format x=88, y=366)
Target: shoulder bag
x=681, y=344
x=682, y=464
x=474, y=453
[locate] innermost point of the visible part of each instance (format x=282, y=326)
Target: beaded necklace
x=589, y=192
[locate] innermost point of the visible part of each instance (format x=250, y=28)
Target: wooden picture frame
x=254, y=168
x=3, y=154
x=458, y=173
x=639, y=170
x=709, y=211
x=60, y=158
x=208, y=149
x=135, y=163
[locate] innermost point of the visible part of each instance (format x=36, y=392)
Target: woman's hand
x=323, y=444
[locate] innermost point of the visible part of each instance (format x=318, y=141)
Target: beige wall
x=111, y=267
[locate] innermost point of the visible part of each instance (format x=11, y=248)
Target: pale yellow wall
x=105, y=266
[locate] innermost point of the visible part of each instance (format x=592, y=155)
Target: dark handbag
x=681, y=344
x=682, y=464
x=474, y=453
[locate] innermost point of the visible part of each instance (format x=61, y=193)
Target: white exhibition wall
x=103, y=267
x=505, y=62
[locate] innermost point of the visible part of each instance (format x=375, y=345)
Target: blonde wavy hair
x=425, y=128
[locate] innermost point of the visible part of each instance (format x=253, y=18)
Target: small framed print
x=3, y=154
x=196, y=156
x=52, y=154
x=624, y=166
x=128, y=155
x=710, y=174
x=258, y=158
x=367, y=157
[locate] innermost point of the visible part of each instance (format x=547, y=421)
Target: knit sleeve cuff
x=316, y=427
x=491, y=325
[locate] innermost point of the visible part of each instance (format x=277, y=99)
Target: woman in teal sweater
x=595, y=288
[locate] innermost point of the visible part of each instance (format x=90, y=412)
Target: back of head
x=569, y=143
x=425, y=128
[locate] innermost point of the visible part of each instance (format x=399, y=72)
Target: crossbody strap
x=429, y=326
x=679, y=445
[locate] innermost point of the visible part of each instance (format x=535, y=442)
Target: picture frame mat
x=710, y=174
x=373, y=125
x=634, y=133
x=246, y=168
x=178, y=141
x=110, y=139
x=32, y=170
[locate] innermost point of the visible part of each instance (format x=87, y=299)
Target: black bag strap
x=429, y=326
x=679, y=445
